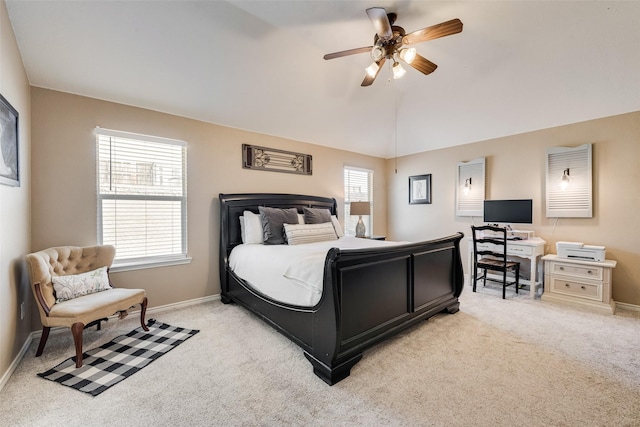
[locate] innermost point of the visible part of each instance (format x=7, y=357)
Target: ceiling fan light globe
x=377, y=53
x=408, y=55
x=398, y=71
x=372, y=70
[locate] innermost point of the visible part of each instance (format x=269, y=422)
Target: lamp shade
x=360, y=208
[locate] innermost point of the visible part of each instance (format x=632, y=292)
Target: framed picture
x=420, y=189
x=9, y=174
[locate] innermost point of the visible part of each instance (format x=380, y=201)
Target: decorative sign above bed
x=271, y=159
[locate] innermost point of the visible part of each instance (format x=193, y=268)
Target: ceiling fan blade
x=380, y=21
x=348, y=52
x=434, y=32
x=423, y=65
x=368, y=80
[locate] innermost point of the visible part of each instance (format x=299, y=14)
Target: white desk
x=533, y=249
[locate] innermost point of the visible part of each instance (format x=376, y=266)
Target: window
x=358, y=187
x=142, y=198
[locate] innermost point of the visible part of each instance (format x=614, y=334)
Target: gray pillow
x=273, y=220
x=316, y=215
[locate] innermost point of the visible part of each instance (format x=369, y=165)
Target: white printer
x=577, y=250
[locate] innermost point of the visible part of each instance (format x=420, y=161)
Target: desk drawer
x=517, y=250
x=569, y=287
x=575, y=270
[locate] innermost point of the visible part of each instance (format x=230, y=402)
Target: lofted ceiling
x=517, y=66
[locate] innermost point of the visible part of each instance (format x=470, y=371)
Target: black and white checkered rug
x=118, y=359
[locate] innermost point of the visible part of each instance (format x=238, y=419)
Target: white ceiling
x=517, y=66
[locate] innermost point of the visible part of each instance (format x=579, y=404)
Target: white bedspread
x=291, y=274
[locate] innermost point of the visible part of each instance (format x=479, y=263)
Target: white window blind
x=358, y=187
x=142, y=196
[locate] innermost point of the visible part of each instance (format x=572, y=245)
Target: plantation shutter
x=575, y=198
x=358, y=187
x=470, y=201
x=142, y=196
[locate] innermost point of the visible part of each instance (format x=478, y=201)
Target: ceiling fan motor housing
x=387, y=48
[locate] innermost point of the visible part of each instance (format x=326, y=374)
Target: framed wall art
x=420, y=189
x=9, y=173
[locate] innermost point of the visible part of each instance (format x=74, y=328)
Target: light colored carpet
x=512, y=362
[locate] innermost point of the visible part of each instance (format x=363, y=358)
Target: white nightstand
x=579, y=283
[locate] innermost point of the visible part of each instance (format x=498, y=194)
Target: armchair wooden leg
x=143, y=311
x=76, y=330
x=43, y=340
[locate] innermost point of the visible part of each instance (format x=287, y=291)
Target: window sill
x=141, y=265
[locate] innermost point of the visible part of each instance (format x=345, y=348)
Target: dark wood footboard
x=372, y=294
x=368, y=294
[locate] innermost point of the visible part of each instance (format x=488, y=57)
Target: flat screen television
x=508, y=211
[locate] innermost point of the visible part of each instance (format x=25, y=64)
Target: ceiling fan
x=389, y=42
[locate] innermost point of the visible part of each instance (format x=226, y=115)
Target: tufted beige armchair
x=82, y=311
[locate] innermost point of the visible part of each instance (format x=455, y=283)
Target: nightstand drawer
x=575, y=270
x=584, y=290
x=579, y=282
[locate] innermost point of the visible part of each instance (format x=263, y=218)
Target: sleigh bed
x=367, y=295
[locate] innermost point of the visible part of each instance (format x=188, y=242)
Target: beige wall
x=515, y=169
x=14, y=208
x=64, y=195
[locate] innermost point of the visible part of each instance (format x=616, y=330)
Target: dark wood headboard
x=233, y=205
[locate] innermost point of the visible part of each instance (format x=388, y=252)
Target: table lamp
x=360, y=208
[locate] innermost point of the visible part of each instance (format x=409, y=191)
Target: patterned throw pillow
x=76, y=285
x=309, y=233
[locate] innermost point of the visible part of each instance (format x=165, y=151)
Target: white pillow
x=252, y=228
x=300, y=218
x=77, y=285
x=297, y=234
x=337, y=226
x=241, y=218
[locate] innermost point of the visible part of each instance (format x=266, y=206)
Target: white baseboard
x=5, y=378
x=183, y=304
x=625, y=306
x=35, y=335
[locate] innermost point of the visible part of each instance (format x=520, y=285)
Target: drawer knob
x=582, y=287
x=561, y=268
x=566, y=284
x=589, y=271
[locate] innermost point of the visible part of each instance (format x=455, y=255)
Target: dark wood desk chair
x=492, y=257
